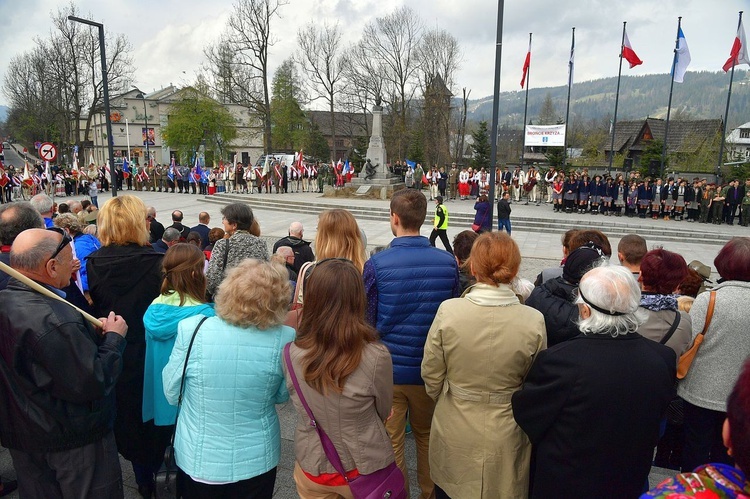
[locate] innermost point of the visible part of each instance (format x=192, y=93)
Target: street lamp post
x=145, y=119
x=105, y=84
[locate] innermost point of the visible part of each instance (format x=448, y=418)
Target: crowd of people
x=561, y=387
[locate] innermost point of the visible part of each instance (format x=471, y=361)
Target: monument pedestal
x=382, y=179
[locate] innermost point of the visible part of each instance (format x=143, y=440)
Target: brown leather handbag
x=686, y=359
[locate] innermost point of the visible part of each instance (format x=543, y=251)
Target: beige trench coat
x=478, y=352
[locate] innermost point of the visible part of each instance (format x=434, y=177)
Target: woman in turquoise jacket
x=228, y=439
x=183, y=295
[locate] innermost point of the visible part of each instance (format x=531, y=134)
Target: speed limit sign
x=47, y=151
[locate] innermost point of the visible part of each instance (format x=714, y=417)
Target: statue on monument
x=370, y=170
x=378, y=100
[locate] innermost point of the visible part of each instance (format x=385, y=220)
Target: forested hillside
x=702, y=95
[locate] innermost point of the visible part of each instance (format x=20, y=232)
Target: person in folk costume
x=338, y=171
x=557, y=192
x=463, y=183
x=668, y=196
x=620, y=198
x=276, y=176
x=484, y=182
x=532, y=185
x=517, y=183
x=313, y=168
x=249, y=178
x=679, y=198
x=305, y=174
x=693, y=197
x=293, y=176
x=474, y=182
x=549, y=179
x=656, y=199
x=570, y=193
x=584, y=193
x=350, y=173
x=453, y=181
x=258, y=178
x=231, y=178
x=644, y=198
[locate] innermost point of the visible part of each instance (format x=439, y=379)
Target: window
x=745, y=133
x=339, y=143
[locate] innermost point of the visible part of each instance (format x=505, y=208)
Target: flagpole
x=526, y=107
x=495, y=104
x=726, y=115
x=567, y=106
x=617, y=100
x=669, y=105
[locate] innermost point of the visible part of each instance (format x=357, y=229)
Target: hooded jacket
x=301, y=248
x=554, y=299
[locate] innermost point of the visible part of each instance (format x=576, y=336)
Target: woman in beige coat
x=478, y=351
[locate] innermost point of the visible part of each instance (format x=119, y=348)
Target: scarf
x=656, y=302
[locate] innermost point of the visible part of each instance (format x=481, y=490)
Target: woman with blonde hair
x=228, y=438
x=183, y=295
x=345, y=375
x=477, y=353
x=339, y=237
x=125, y=275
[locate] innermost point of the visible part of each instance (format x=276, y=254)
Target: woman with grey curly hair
x=592, y=405
x=84, y=245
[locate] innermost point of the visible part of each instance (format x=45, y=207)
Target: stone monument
x=375, y=172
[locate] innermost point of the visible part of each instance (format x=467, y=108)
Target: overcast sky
x=168, y=36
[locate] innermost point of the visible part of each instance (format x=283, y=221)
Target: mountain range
x=703, y=95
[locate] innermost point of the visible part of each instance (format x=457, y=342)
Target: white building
x=132, y=111
x=738, y=144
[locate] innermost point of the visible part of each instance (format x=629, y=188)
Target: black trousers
x=259, y=487
x=443, y=235
x=92, y=471
x=703, y=441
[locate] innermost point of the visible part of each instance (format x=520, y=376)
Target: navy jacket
x=405, y=285
x=644, y=192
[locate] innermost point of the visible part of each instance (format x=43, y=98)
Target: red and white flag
x=738, y=55
x=629, y=54
x=526, y=64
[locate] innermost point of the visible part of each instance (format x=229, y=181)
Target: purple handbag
x=387, y=483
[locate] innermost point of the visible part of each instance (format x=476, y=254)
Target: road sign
x=37, y=145
x=47, y=151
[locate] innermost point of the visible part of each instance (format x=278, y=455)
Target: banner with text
x=545, y=135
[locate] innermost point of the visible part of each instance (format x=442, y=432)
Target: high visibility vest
x=444, y=225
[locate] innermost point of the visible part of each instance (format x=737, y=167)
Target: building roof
x=684, y=136
x=735, y=137
x=347, y=124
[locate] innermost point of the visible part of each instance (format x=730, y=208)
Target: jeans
x=503, y=222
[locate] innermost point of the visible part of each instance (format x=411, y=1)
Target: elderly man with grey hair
x=592, y=405
x=170, y=237
x=59, y=374
x=45, y=206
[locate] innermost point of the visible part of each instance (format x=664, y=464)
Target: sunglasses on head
x=66, y=240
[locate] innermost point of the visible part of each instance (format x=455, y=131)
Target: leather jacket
x=56, y=374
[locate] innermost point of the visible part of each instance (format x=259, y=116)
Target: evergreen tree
x=481, y=147
x=548, y=114
x=289, y=126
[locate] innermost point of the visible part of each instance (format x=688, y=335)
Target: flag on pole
x=738, y=55
x=26, y=179
x=125, y=168
x=107, y=173
x=411, y=164
x=571, y=61
x=683, y=58
x=266, y=166
x=47, y=172
x=629, y=54
x=347, y=166
x=526, y=64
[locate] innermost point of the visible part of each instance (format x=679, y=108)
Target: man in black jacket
x=302, y=251
x=177, y=224
x=503, y=212
x=57, y=377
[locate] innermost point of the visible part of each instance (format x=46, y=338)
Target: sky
x=168, y=36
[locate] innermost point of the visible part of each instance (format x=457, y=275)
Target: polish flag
x=629, y=54
x=738, y=54
x=526, y=64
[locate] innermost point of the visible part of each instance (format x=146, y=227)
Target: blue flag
x=125, y=168
x=411, y=164
x=170, y=172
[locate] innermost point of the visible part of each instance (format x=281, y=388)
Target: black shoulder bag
x=166, y=486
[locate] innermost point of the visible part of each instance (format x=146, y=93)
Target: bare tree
x=438, y=53
x=392, y=41
x=240, y=59
x=321, y=59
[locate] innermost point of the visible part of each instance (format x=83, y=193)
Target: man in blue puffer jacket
x=405, y=285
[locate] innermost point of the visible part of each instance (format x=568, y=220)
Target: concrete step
x=555, y=223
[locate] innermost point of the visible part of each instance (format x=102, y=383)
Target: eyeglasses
x=66, y=240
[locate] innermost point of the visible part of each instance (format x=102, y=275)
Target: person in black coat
x=554, y=298
x=125, y=276
x=592, y=406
